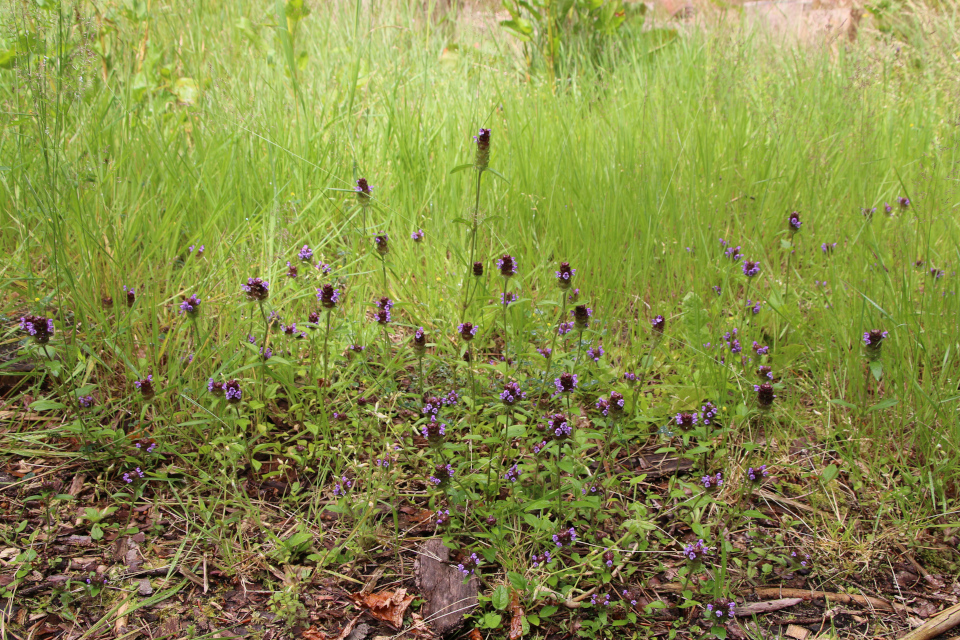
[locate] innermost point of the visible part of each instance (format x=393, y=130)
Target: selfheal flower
x=888, y=208
x=478, y=269
x=507, y=265
x=755, y=307
x=232, y=391
x=382, y=317
x=758, y=474
x=313, y=319
x=595, y=353
x=266, y=353
x=765, y=395
x=130, y=476
x=733, y=253
x=581, y=316
x=760, y=350
x=712, y=481
x=328, y=296
x=708, y=412
x=794, y=222
x=146, y=387
x=323, y=268
x=107, y=302
x=542, y=559
x=537, y=448
x=629, y=376
x=384, y=304
x=546, y=352
x=507, y=298
x=574, y=296
x=872, y=339
x=190, y=306
x=608, y=558
x=257, y=289
x=419, y=342
x=469, y=564
x=904, y=202
x=566, y=383
x=765, y=372
x=564, y=328
x=557, y=427
x=565, y=275
x=868, y=213
x=828, y=247
x=417, y=236
x=382, y=243
x=686, y=420
x=629, y=597
x=40, y=328
x=341, y=487
x=131, y=294
x=751, y=268
x=617, y=402
x=658, y=324
x=467, y=330
x=434, y=431
x=364, y=190
x=696, y=551
x=441, y=475
x=565, y=538
x=86, y=401
x=605, y=601
x=511, y=393
x=603, y=406
x=292, y=270
x=483, y=149
x=935, y=273
x=216, y=388
x=512, y=474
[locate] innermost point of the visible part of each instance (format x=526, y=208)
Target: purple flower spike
x=733, y=253
x=793, y=222
x=565, y=275
x=305, y=253
x=364, y=191
x=696, y=551
x=595, y=353
x=417, y=236
x=565, y=538
x=257, y=289
x=507, y=265
x=686, y=421
x=131, y=295
x=40, y=328
x=512, y=393
x=904, y=202
x=328, y=296
x=467, y=330
x=190, y=306
x=292, y=270
x=564, y=328
x=828, y=247
x=382, y=243
x=483, y=149
x=507, y=298
x=765, y=395
x=581, y=316
x=86, y=401
x=145, y=386
x=566, y=383
x=751, y=268
x=232, y=391
x=658, y=324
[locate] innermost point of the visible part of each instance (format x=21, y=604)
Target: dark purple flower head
x=557, y=427
x=716, y=611
x=305, y=254
x=565, y=275
x=292, y=270
x=328, y=296
x=483, y=149
x=323, y=268
x=935, y=273
x=145, y=386
x=759, y=349
x=765, y=395
x=507, y=297
x=574, y=296
x=566, y=383
x=232, y=391
x=603, y=406
x=107, y=302
x=733, y=253
x=417, y=236
x=904, y=202
x=190, y=306
x=382, y=316
x=828, y=247
x=86, y=401
x=595, y=353
x=313, y=319
x=617, y=403
x=757, y=475
x=564, y=328
x=511, y=393
x=630, y=377
x=658, y=324
x=216, y=388
x=291, y=330
x=793, y=222
x=708, y=412
x=751, y=268
x=467, y=330
x=512, y=474
x=434, y=431
x=419, y=341
x=608, y=558
x=874, y=338
x=364, y=190
x=867, y=212
x=442, y=474
x=887, y=208
x=507, y=265
x=131, y=294
x=382, y=243
x=686, y=420
x=765, y=372
x=546, y=352
x=469, y=564
x=696, y=551
x=712, y=482
x=581, y=316
x=257, y=289
x=40, y=328
x=266, y=353
x=754, y=306
x=478, y=269
x=384, y=304
x=341, y=487
x=543, y=559
x=565, y=538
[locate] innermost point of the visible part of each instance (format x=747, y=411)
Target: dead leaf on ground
x=386, y=606
x=474, y=635
x=313, y=634
x=516, y=622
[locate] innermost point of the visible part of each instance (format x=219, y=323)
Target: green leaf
x=753, y=513
x=548, y=611
x=47, y=405
x=186, y=90
x=492, y=620
x=462, y=167
x=498, y=174
x=884, y=404
x=829, y=473
x=876, y=368
x=500, y=598
x=96, y=532
x=843, y=403
x=517, y=580
x=534, y=620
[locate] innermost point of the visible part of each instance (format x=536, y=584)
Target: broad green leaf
x=500, y=598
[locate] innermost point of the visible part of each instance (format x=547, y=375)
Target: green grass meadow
x=134, y=130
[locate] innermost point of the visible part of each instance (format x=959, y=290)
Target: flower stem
x=553, y=344
x=506, y=356
x=473, y=248
x=326, y=340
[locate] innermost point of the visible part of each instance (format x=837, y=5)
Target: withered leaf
x=386, y=606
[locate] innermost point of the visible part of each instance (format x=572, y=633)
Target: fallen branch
x=940, y=623
x=754, y=608
x=843, y=598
